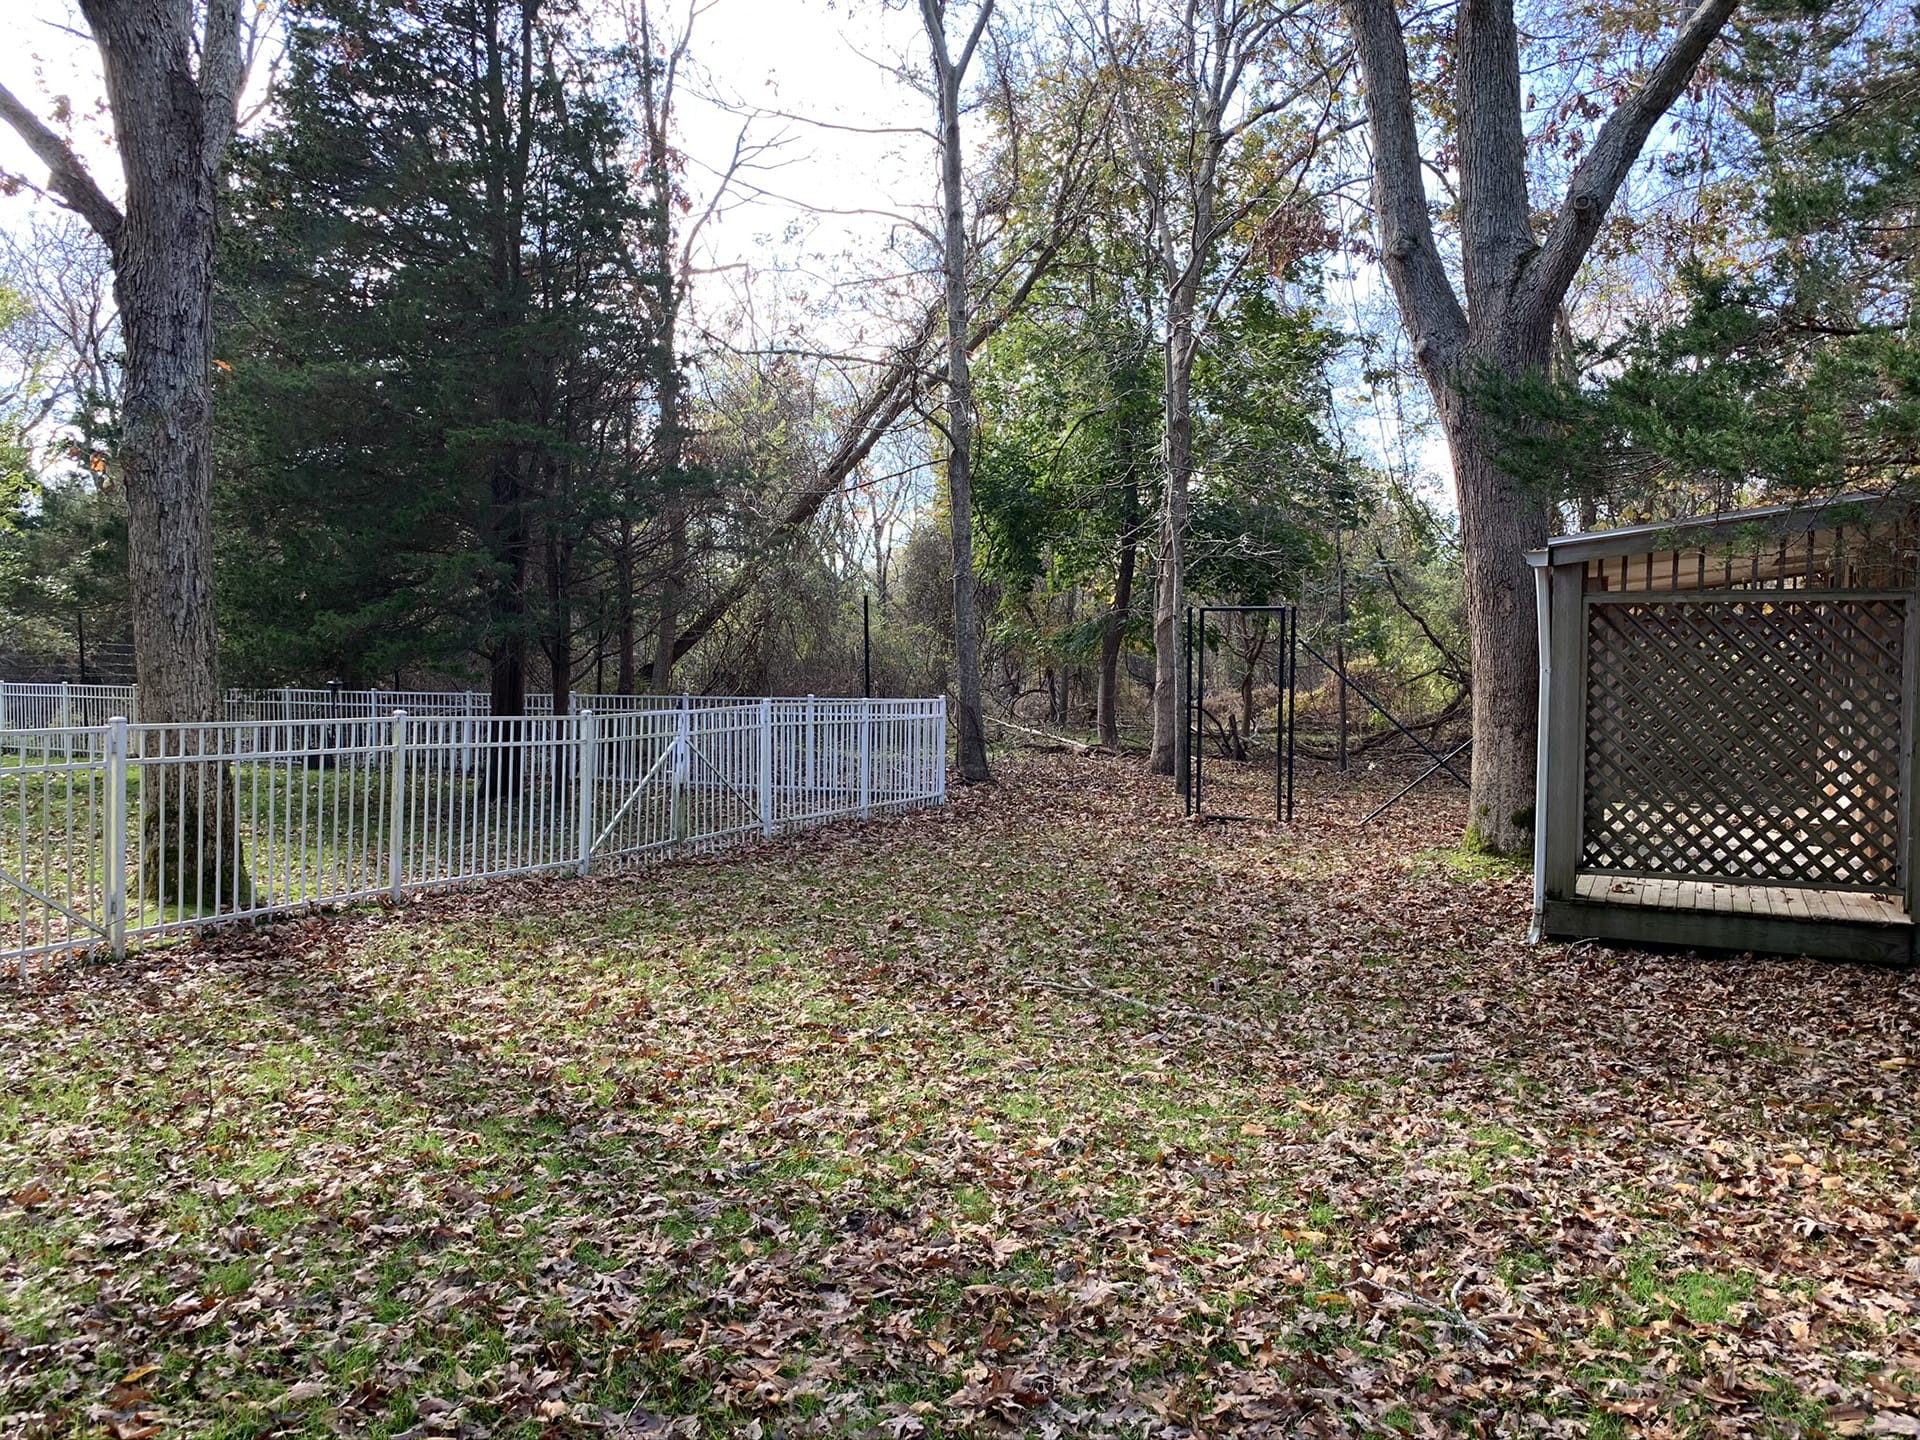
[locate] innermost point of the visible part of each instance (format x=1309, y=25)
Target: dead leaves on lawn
x=1045, y=1114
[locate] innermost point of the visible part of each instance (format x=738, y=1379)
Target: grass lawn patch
x=1046, y=1113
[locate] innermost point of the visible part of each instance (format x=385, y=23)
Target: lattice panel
x=1756, y=739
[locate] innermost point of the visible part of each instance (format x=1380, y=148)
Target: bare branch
x=1435, y=322
x=1604, y=168
x=69, y=177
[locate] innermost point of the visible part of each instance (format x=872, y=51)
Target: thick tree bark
x=948, y=71
x=672, y=586
x=1113, y=635
x=506, y=132
x=1514, y=284
x=1169, y=687
x=172, y=121
x=666, y=280
x=171, y=124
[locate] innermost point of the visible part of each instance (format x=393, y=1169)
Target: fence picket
x=397, y=807
x=588, y=765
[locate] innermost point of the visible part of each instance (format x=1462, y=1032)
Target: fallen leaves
x=1046, y=1114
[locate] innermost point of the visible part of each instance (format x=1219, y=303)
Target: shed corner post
x=1562, y=756
x=1542, y=743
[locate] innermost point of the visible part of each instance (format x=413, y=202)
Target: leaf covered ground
x=1048, y=1113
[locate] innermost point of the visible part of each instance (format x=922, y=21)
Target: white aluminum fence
x=117, y=832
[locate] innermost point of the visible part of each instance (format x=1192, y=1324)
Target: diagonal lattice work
x=1756, y=739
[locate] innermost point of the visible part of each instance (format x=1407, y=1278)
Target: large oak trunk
x=170, y=140
x=1515, y=281
x=971, y=742
x=1499, y=523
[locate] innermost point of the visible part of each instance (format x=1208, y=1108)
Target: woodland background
x=483, y=416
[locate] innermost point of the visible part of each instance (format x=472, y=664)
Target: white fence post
x=66, y=717
x=866, y=759
x=766, y=767
x=940, y=753
x=113, y=864
x=3, y=705
x=589, y=764
x=396, y=819
x=813, y=730
x=682, y=764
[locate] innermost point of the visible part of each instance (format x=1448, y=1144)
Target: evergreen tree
x=431, y=337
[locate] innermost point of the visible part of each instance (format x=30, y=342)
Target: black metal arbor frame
x=1285, y=666
x=1287, y=673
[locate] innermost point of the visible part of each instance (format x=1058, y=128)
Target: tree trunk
x=972, y=738
x=1113, y=634
x=624, y=599
x=1516, y=282
x=171, y=126
x=1499, y=523
x=1170, y=739
x=667, y=618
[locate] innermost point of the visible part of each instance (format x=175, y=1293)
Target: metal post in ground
x=396, y=819
x=766, y=767
x=588, y=766
x=940, y=753
x=682, y=755
x=866, y=759
x=813, y=730
x=113, y=865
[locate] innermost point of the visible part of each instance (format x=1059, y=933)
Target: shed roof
x=1764, y=523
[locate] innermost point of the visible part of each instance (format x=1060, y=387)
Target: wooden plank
x=1566, y=725
x=1762, y=934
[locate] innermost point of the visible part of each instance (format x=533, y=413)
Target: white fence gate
x=116, y=832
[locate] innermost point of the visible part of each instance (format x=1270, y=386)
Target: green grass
x=849, y=1132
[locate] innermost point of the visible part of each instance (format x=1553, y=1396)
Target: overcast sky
x=807, y=59
x=807, y=78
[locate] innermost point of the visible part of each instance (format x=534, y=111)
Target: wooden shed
x=1727, y=731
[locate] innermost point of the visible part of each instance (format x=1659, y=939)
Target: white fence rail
x=117, y=832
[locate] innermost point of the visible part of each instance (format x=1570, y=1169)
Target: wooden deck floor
x=1701, y=895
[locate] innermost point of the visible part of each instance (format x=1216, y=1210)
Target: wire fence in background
x=38, y=705
x=118, y=832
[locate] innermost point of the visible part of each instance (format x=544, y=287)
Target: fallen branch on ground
x=1086, y=987
x=1078, y=747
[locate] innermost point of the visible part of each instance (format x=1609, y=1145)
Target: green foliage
x=429, y=343
x=1793, y=363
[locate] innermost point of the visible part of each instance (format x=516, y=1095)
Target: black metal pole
x=1200, y=717
x=1279, y=723
x=1293, y=687
x=1389, y=717
x=1186, y=716
x=1408, y=788
x=866, y=646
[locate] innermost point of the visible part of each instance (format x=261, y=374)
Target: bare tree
x=1515, y=281
x=173, y=89
x=1206, y=58
x=949, y=73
